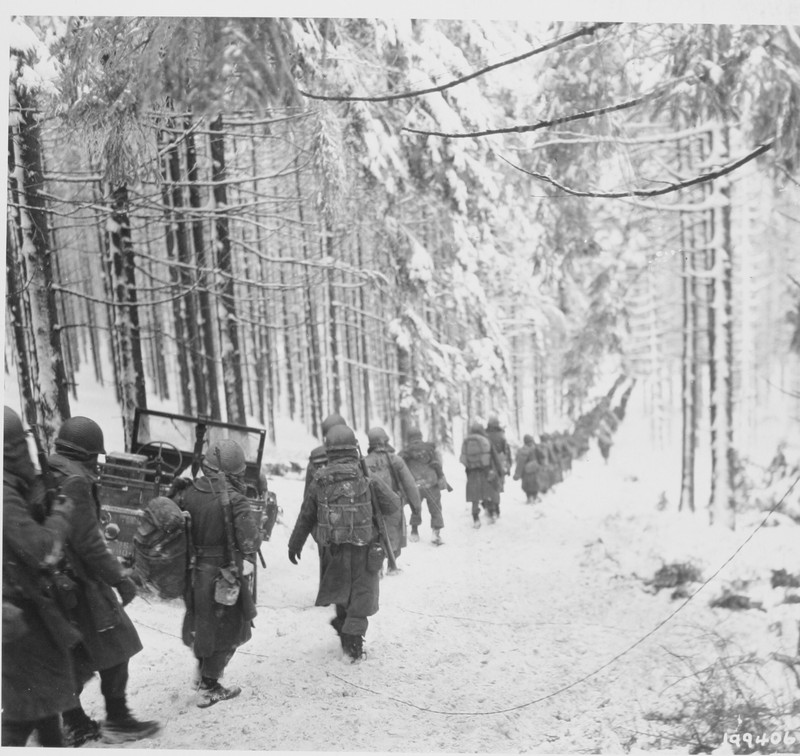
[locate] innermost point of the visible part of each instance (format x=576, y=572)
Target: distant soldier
x=425, y=464
x=110, y=639
x=223, y=532
x=484, y=472
x=38, y=677
x=383, y=463
x=527, y=468
x=339, y=504
x=497, y=436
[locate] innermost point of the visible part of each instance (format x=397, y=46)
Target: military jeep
x=166, y=446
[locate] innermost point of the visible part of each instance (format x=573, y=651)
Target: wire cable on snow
x=599, y=669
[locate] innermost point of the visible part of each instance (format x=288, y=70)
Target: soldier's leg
x=434, y=500
x=16, y=734
x=120, y=724
x=353, y=632
x=211, y=669
x=48, y=731
x=338, y=620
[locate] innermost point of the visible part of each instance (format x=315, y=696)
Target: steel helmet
x=331, y=421
x=13, y=432
x=414, y=434
x=494, y=423
x=226, y=455
x=341, y=437
x=377, y=436
x=80, y=436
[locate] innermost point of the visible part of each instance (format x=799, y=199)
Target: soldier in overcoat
x=526, y=468
x=110, y=639
x=339, y=504
x=383, y=463
x=212, y=630
x=38, y=675
x=484, y=472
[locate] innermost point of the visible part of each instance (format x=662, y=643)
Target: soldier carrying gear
x=338, y=503
x=211, y=629
x=425, y=464
x=38, y=674
x=497, y=436
x=383, y=463
x=527, y=468
x=484, y=472
x=110, y=639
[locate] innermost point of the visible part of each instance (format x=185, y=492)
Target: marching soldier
x=425, y=464
x=392, y=470
x=339, y=503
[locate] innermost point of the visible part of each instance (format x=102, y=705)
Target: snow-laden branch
x=674, y=187
x=582, y=32
x=583, y=115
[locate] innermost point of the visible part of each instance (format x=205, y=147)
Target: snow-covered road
x=491, y=642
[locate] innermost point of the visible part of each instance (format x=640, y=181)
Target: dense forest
x=410, y=221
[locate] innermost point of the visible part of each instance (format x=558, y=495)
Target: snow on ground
x=489, y=643
x=533, y=634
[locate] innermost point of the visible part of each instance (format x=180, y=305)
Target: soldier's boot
x=414, y=535
x=120, y=726
x=211, y=692
x=437, y=537
x=353, y=646
x=79, y=728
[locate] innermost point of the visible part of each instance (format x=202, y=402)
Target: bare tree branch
x=703, y=177
x=527, y=128
x=584, y=31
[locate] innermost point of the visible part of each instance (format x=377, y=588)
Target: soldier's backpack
x=160, y=545
x=477, y=452
x=421, y=459
x=344, y=505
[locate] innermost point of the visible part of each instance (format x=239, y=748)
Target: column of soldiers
x=64, y=593
x=539, y=466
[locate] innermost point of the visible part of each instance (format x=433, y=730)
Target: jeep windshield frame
x=153, y=427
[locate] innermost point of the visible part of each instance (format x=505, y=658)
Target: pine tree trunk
x=231, y=352
x=196, y=388
x=49, y=392
x=122, y=267
x=208, y=390
x=364, y=339
x=720, y=358
x=689, y=354
x=178, y=318
x=333, y=326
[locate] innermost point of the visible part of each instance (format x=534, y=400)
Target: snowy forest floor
x=534, y=634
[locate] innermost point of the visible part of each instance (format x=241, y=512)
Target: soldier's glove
x=64, y=506
x=294, y=556
x=127, y=590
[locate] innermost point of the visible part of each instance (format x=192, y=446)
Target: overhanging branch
x=529, y=127
x=441, y=87
x=674, y=187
